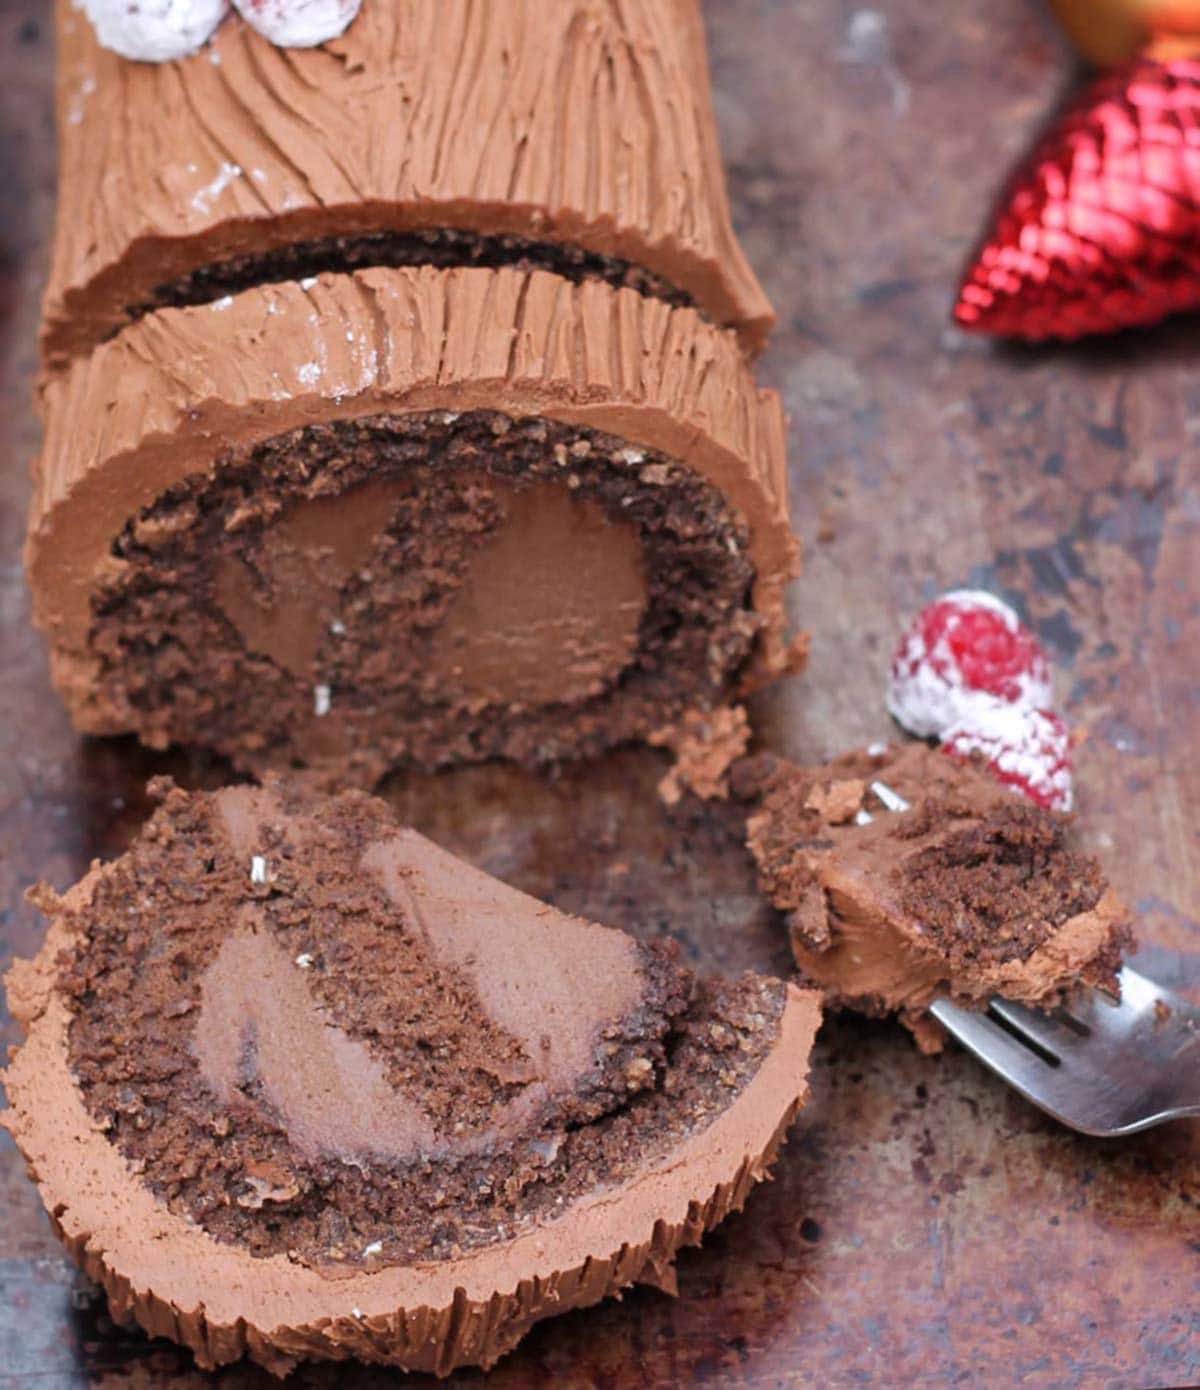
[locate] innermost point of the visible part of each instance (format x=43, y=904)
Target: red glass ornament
x=1100, y=228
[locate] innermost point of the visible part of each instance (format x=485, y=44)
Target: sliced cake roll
x=410, y=516
x=298, y=1084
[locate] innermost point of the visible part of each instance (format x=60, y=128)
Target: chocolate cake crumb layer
x=970, y=893
x=298, y=1083
x=583, y=128
x=441, y=247
x=410, y=515
x=459, y=588
x=1000, y=888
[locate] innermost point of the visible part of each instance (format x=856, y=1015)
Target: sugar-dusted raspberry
x=154, y=31
x=299, y=23
x=965, y=649
x=1028, y=750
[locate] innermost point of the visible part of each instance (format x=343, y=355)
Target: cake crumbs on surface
x=837, y=802
x=705, y=744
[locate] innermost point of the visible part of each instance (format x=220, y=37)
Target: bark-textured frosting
x=215, y=1295
x=971, y=893
x=162, y=401
x=585, y=123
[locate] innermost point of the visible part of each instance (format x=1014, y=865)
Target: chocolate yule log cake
x=298, y=1084
x=313, y=499
x=564, y=135
x=410, y=516
x=971, y=893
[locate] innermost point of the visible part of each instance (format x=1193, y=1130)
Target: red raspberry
x=1027, y=749
x=963, y=651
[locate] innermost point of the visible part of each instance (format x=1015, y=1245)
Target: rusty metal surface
x=925, y=1228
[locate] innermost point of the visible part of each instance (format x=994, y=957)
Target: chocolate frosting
x=259, y=1027
x=311, y=552
x=528, y=963
x=560, y=120
x=178, y=1281
x=549, y=611
x=177, y=387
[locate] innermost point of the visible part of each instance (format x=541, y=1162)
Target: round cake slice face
x=971, y=893
x=298, y=1084
x=411, y=517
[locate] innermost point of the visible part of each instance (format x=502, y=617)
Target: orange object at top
x=1108, y=32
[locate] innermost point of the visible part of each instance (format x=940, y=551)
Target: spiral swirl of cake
x=298, y=1084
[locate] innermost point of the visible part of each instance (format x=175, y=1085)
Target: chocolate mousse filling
x=425, y=588
x=442, y=247
x=313, y=1034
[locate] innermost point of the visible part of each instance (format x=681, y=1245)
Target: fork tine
x=1051, y=1088
x=891, y=799
x=1101, y=1065
x=992, y=1044
x=1080, y=1092
x=1138, y=995
x=1139, y=991
x=1045, y=1029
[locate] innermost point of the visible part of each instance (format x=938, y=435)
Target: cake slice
x=410, y=517
x=972, y=892
x=298, y=1084
x=396, y=402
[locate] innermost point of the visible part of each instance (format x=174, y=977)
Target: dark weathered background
x=925, y=1227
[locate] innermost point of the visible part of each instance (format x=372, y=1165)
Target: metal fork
x=1101, y=1065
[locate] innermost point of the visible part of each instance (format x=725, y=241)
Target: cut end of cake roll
x=363, y=1100
x=410, y=517
x=569, y=138
x=971, y=893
